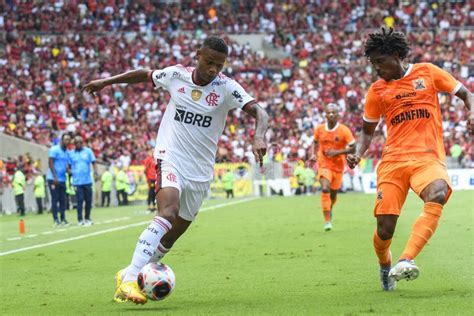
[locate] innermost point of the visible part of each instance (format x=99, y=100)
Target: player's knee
x=437, y=192
x=386, y=228
x=169, y=212
x=385, y=232
x=325, y=190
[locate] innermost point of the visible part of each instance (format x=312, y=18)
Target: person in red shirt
x=150, y=173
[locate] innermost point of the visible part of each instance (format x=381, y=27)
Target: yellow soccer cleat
x=118, y=279
x=129, y=292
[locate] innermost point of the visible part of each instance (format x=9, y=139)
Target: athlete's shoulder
x=378, y=85
x=344, y=127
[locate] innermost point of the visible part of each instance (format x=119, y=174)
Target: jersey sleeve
x=237, y=96
x=372, y=108
x=161, y=78
x=52, y=153
x=443, y=81
x=348, y=136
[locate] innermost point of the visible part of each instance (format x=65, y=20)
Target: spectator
x=19, y=183
x=39, y=190
x=56, y=177
x=81, y=159
x=150, y=173
x=106, y=187
x=122, y=185
x=228, y=179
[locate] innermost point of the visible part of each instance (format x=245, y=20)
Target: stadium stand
x=43, y=67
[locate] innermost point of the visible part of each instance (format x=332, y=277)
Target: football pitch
x=255, y=256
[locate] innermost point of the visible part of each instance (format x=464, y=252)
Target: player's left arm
x=468, y=99
x=259, y=146
x=445, y=82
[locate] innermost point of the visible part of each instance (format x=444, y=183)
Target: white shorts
x=191, y=193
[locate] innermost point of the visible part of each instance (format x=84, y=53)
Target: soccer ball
x=156, y=280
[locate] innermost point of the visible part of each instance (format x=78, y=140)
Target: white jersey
x=194, y=119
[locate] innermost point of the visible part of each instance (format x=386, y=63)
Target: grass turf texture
x=266, y=256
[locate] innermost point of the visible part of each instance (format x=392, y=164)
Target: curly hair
x=387, y=43
x=216, y=43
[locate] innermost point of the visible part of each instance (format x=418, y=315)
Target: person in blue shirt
x=56, y=177
x=81, y=159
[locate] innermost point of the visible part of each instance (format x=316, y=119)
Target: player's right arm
x=314, y=147
x=372, y=113
x=134, y=76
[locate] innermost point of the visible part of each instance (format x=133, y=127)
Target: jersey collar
x=331, y=130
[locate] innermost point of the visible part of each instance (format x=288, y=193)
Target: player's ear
x=198, y=53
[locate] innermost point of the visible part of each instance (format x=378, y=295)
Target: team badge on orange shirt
x=419, y=84
x=196, y=94
x=379, y=195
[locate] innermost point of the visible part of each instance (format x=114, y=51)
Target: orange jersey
x=412, y=112
x=338, y=138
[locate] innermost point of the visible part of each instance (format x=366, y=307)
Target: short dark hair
x=387, y=43
x=216, y=43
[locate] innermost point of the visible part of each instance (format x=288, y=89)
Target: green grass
x=266, y=256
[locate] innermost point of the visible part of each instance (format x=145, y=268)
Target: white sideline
x=113, y=229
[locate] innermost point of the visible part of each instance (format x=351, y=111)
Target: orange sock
x=382, y=249
x=424, y=228
x=326, y=205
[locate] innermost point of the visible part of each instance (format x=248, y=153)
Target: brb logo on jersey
x=187, y=117
x=212, y=99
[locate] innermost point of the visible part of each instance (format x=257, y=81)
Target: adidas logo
x=181, y=90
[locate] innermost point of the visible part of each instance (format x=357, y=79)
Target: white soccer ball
x=156, y=280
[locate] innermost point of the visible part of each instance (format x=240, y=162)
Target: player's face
x=331, y=115
x=388, y=67
x=210, y=63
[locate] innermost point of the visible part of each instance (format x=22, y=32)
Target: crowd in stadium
x=43, y=68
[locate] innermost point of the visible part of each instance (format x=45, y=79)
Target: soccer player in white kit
x=186, y=148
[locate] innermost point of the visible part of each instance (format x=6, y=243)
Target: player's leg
x=180, y=225
x=336, y=183
x=392, y=190
x=168, y=198
x=430, y=182
x=325, y=178
x=190, y=202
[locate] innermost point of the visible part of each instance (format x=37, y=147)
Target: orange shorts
x=335, y=178
x=395, y=178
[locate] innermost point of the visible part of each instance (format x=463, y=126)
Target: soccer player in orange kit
x=332, y=141
x=406, y=95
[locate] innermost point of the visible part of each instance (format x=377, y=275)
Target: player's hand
x=353, y=160
x=259, y=149
x=94, y=86
x=331, y=153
